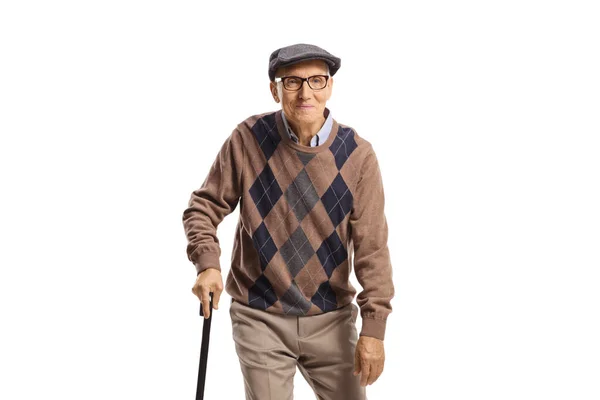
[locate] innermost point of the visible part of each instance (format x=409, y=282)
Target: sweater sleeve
x=372, y=265
x=212, y=202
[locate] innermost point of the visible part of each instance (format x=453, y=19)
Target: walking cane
x=204, y=350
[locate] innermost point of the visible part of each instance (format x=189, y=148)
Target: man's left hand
x=369, y=358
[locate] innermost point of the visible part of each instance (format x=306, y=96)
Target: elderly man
x=311, y=200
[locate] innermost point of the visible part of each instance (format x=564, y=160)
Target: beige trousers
x=270, y=346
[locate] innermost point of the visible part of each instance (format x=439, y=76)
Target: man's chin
x=307, y=116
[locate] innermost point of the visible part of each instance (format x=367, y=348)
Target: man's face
x=305, y=106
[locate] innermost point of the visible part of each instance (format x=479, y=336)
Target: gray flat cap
x=301, y=52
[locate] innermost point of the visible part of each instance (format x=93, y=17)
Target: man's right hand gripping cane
x=209, y=280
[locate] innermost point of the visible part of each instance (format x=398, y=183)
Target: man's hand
x=369, y=358
x=209, y=280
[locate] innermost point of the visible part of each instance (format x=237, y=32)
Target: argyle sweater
x=307, y=214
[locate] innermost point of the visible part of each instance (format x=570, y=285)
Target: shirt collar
x=320, y=137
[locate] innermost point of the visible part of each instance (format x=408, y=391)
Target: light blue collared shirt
x=320, y=137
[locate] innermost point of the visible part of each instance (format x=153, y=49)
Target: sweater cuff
x=207, y=260
x=373, y=328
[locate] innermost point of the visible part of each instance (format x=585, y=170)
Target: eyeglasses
x=315, y=82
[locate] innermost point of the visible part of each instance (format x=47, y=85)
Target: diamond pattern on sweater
x=332, y=253
x=294, y=302
x=337, y=200
x=297, y=251
x=301, y=195
x=261, y=294
x=343, y=145
x=264, y=244
x=265, y=131
x=310, y=277
x=305, y=157
x=265, y=191
x=325, y=298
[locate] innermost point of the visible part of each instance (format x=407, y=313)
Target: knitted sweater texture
x=307, y=214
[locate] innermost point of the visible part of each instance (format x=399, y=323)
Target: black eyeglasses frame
x=302, y=80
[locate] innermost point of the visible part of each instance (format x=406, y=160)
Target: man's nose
x=305, y=90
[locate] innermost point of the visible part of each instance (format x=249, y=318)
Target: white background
x=484, y=117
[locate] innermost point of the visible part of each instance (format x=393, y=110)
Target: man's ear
x=330, y=85
x=273, y=88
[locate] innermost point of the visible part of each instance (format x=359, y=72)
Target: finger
x=373, y=375
x=356, y=363
x=379, y=371
x=196, y=291
x=216, y=297
x=206, y=303
x=365, y=370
